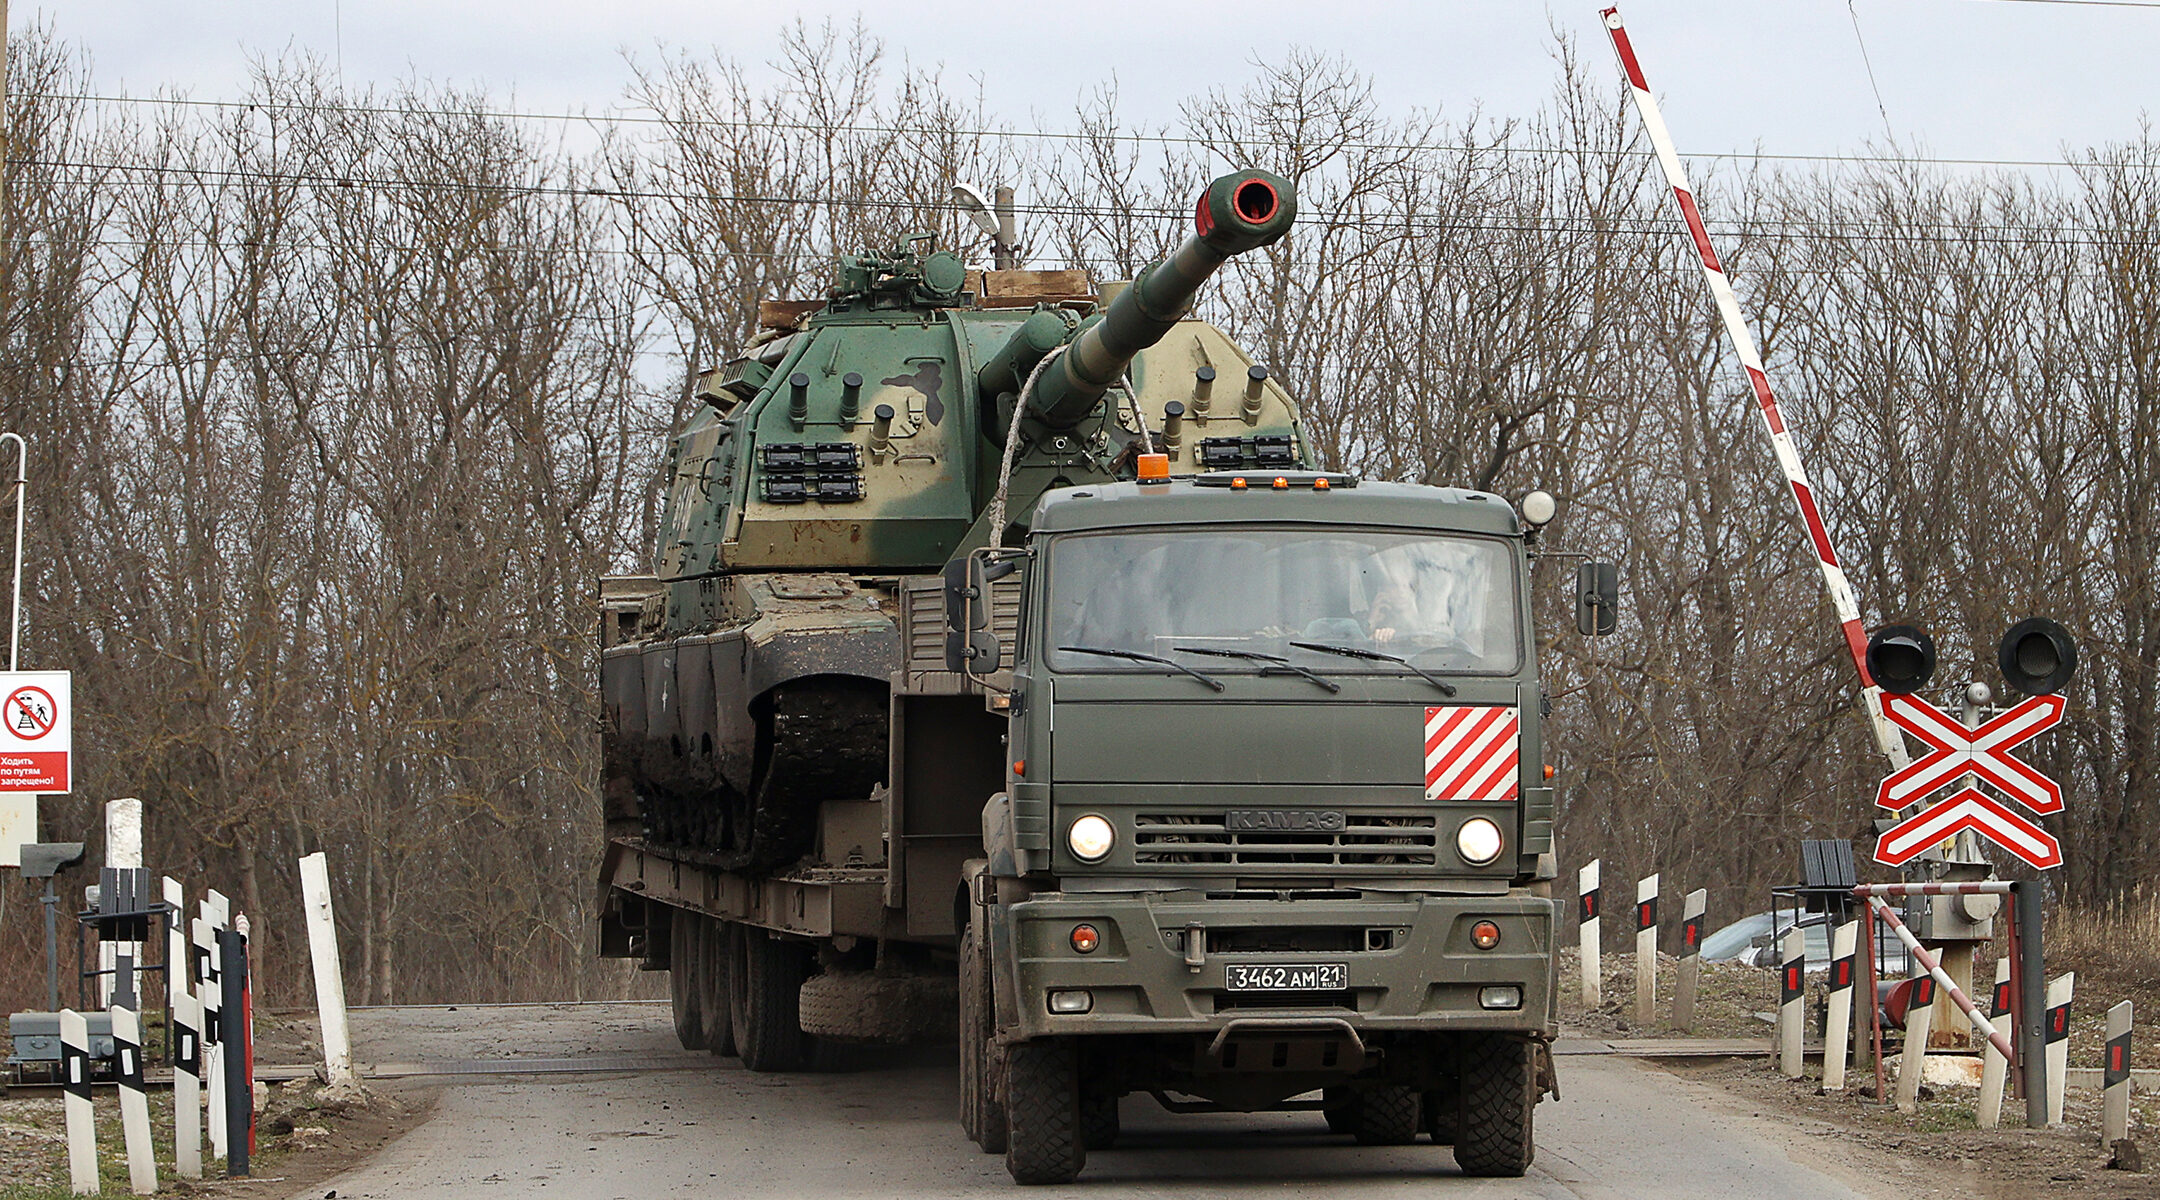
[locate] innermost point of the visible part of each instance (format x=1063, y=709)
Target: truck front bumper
x=1163, y=963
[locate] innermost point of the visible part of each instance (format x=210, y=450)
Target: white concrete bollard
x=1837, y=1034
x=1994, y=1068
x=1593, y=967
x=1919, y=1022
x=1792, y=1003
x=134, y=1105
x=2115, y=1078
x=213, y=1054
x=1646, y=951
x=176, y=942
x=329, y=972
x=2060, y=990
x=187, y=1087
x=1693, y=910
x=81, y=1121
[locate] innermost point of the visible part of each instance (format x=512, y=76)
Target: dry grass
x=2115, y=950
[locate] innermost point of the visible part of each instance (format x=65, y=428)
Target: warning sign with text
x=36, y=733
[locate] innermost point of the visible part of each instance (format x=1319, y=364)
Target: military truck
x=1011, y=668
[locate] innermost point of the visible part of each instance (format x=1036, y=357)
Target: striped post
x=1593, y=967
x=75, y=1086
x=2115, y=1077
x=1994, y=1067
x=1781, y=440
x=1919, y=1022
x=176, y=942
x=134, y=1105
x=187, y=1087
x=1691, y=931
x=1646, y=951
x=1837, y=1033
x=1792, y=1002
x=2059, y=992
x=213, y=1058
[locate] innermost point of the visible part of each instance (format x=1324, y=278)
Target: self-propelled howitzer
x=861, y=439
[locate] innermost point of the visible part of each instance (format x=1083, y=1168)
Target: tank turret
x=861, y=438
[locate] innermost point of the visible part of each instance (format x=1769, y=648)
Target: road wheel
x=1099, y=1120
x=1499, y=1094
x=765, y=986
x=980, y=1113
x=1339, y=1106
x=1042, y=1112
x=1385, y=1116
x=718, y=956
x=684, y=994
x=1439, y=1117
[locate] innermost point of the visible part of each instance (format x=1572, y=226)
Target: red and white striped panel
x=1472, y=752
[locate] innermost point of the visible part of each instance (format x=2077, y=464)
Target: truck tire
x=1385, y=1116
x=1499, y=1095
x=764, y=985
x=685, y=996
x=1043, y=1141
x=980, y=1113
x=1339, y=1107
x=1099, y=1126
x=717, y=956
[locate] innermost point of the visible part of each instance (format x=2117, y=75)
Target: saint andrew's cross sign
x=1955, y=752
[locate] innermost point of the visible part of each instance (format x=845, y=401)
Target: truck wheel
x=1099, y=1120
x=765, y=984
x=1339, y=1106
x=1042, y=1113
x=685, y=996
x=717, y=956
x=980, y=1113
x=1499, y=1094
x=1385, y=1116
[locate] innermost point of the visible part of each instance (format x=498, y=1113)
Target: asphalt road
x=1624, y=1130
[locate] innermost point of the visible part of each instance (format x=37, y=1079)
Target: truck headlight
x=1478, y=841
x=1090, y=838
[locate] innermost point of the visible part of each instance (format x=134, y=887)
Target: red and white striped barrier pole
x=1887, y=739
x=1929, y=963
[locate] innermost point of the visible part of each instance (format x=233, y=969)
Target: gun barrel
x=1239, y=212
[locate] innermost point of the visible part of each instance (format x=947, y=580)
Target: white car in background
x=1753, y=940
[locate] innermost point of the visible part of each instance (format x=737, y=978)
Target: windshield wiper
x=1137, y=656
x=1276, y=663
x=1446, y=688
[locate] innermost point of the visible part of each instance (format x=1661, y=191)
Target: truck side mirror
x=1597, y=598
x=971, y=645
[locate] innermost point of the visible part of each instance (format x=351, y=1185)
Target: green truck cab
x=1275, y=820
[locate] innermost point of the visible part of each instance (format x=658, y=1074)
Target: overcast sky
x=1990, y=79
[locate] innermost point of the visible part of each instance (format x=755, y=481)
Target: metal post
x=51, y=901
x=1006, y=250
x=232, y=1011
x=2032, y=1002
x=22, y=448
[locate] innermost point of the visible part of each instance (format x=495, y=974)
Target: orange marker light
x=1238, y=484
x=1019, y=766
x=1282, y=483
x=1085, y=939
x=1549, y=772
x=1485, y=935
x=1154, y=468
x=1320, y=484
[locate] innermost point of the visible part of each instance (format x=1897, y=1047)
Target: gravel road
x=1624, y=1130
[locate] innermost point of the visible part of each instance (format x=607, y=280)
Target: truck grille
x=1365, y=840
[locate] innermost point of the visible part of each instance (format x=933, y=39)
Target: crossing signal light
x=1901, y=658
x=2037, y=656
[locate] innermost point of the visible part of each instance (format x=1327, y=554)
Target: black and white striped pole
x=1837, y=1031
x=75, y=1089
x=2060, y=990
x=1691, y=931
x=134, y=1105
x=1792, y=1003
x=1994, y=1068
x=2115, y=1078
x=187, y=1087
x=1586, y=911
x=1919, y=1024
x=208, y=991
x=1646, y=951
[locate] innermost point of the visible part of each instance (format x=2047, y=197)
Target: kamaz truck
x=1012, y=669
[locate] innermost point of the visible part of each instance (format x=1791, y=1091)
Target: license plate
x=1286, y=977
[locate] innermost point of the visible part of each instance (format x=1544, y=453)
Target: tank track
x=819, y=738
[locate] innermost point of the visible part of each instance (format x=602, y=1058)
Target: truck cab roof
x=1274, y=497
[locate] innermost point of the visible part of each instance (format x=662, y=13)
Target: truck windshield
x=1446, y=603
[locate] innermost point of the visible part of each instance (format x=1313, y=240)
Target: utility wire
x=1854, y=12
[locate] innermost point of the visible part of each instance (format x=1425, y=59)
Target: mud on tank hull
x=724, y=741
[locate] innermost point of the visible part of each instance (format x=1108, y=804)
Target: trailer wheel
x=685, y=995
x=765, y=986
x=1043, y=1142
x=980, y=1113
x=1385, y=1116
x=1499, y=1095
x=718, y=954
